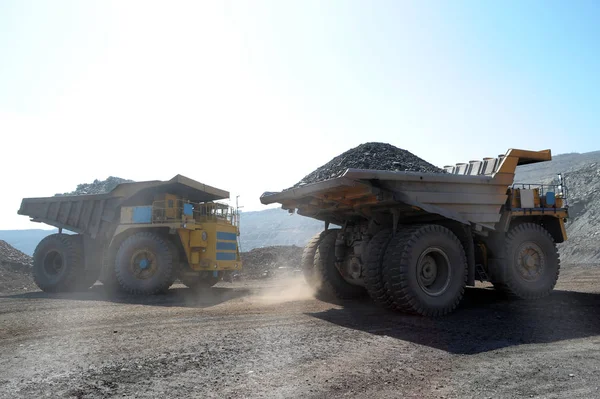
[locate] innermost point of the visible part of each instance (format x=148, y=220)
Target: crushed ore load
x=270, y=261
x=97, y=186
x=15, y=269
x=378, y=156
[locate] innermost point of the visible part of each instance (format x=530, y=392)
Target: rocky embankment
x=15, y=269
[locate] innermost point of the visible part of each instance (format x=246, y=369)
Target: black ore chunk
x=375, y=156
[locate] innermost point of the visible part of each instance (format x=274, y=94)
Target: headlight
x=204, y=236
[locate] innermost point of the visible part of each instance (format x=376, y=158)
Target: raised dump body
x=139, y=237
x=504, y=232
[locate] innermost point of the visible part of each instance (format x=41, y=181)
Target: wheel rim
x=143, y=264
x=530, y=261
x=53, y=263
x=433, y=271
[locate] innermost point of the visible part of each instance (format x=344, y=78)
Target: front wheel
x=144, y=264
x=532, y=263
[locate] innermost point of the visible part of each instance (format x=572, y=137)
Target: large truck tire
x=144, y=264
x=425, y=270
x=532, y=263
x=200, y=281
x=374, y=282
x=330, y=283
x=308, y=258
x=57, y=263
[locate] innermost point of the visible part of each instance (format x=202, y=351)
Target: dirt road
x=272, y=340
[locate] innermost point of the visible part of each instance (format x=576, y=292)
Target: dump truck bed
x=470, y=193
x=94, y=214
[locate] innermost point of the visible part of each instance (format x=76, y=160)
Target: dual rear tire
x=58, y=263
x=421, y=270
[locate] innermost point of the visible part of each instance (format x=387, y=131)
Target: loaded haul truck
x=413, y=241
x=139, y=238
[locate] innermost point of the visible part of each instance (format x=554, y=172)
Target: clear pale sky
x=252, y=96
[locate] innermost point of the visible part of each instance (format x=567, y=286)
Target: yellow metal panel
x=562, y=229
x=509, y=164
x=547, y=212
x=184, y=236
x=202, y=254
x=196, y=240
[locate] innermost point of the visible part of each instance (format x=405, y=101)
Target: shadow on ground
x=183, y=297
x=484, y=321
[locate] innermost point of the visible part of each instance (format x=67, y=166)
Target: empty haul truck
x=139, y=238
x=413, y=241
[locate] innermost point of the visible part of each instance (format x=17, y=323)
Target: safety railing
x=559, y=190
x=174, y=210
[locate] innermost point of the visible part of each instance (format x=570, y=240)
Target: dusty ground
x=271, y=339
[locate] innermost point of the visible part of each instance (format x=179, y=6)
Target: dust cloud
x=286, y=289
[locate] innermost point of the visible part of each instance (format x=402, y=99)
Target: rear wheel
x=425, y=269
x=57, y=263
x=533, y=265
x=330, y=281
x=374, y=282
x=308, y=258
x=144, y=264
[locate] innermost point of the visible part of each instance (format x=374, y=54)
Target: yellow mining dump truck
x=140, y=237
x=413, y=241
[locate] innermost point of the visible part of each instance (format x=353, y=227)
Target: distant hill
x=25, y=240
x=278, y=227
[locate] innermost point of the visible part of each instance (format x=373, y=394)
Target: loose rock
x=15, y=269
x=97, y=186
x=269, y=261
x=373, y=155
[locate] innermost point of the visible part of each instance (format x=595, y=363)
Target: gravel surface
x=380, y=156
x=271, y=339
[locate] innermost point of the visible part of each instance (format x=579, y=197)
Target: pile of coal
x=378, y=156
x=272, y=261
x=15, y=269
x=97, y=186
